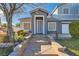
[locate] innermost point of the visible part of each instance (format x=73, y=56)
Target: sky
x=28, y=8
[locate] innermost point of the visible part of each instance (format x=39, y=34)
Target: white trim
x=43, y=25
x=38, y=15
x=66, y=8
x=35, y=23
x=54, y=29
x=65, y=28
x=65, y=22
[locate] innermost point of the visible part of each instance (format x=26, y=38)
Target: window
x=51, y=26
x=27, y=25
x=65, y=11
x=65, y=28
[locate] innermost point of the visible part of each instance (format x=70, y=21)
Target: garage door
x=65, y=28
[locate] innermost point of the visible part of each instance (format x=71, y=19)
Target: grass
x=76, y=52
x=5, y=51
x=71, y=43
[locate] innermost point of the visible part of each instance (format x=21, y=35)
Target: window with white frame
x=66, y=11
x=51, y=26
x=65, y=28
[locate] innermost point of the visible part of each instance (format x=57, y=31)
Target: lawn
x=5, y=51
x=72, y=44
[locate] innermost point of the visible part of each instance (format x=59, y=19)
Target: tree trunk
x=9, y=28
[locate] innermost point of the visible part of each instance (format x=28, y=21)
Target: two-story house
x=58, y=22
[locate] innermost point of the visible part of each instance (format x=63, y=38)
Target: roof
x=66, y=17
x=25, y=18
x=57, y=8
x=50, y=18
x=40, y=10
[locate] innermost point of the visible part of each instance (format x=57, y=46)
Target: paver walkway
x=35, y=44
x=39, y=45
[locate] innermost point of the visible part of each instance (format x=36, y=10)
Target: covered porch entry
x=39, y=24
x=39, y=21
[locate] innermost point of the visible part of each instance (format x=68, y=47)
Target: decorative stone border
x=19, y=49
x=4, y=45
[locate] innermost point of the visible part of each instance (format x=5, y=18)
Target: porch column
x=43, y=25
x=34, y=25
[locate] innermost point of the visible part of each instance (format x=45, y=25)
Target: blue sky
x=47, y=6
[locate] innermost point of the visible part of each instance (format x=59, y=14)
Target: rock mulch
x=5, y=45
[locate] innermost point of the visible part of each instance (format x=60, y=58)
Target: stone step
x=39, y=35
x=47, y=50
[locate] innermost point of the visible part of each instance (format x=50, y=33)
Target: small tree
x=4, y=25
x=9, y=10
x=17, y=25
x=74, y=29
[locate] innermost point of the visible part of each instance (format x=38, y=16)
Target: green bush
x=74, y=29
x=21, y=32
x=19, y=36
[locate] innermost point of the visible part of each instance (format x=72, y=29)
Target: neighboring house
x=26, y=24
x=58, y=22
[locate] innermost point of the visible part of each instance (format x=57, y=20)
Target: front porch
x=39, y=21
x=39, y=24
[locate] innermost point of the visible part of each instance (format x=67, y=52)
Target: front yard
x=72, y=44
x=6, y=51
x=5, y=47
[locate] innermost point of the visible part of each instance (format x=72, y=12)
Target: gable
x=39, y=11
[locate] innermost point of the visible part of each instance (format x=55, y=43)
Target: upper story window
x=65, y=11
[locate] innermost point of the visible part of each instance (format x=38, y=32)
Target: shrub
x=19, y=38
x=21, y=32
x=20, y=35
x=74, y=29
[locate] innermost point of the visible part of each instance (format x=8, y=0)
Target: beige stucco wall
x=26, y=23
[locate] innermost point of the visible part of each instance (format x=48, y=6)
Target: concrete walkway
x=40, y=46
x=35, y=44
